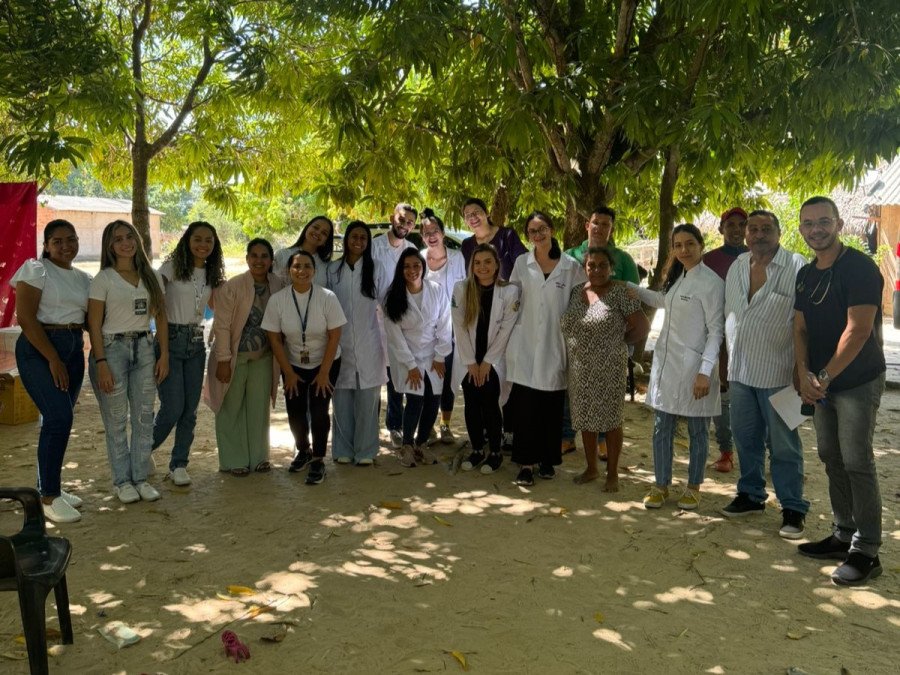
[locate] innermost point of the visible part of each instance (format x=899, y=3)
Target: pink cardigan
x=234, y=300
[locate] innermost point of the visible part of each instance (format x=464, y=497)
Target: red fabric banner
x=18, y=234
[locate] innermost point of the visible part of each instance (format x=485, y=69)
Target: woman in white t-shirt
x=317, y=238
x=419, y=338
x=303, y=322
x=51, y=301
x=191, y=274
x=125, y=295
x=446, y=267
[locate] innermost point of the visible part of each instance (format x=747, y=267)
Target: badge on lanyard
x=304, y=319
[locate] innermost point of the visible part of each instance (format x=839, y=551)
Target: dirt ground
x=385, y=569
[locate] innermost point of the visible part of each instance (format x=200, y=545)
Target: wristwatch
x=823, y=377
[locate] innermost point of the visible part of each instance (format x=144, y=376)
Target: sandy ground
x=386, y=569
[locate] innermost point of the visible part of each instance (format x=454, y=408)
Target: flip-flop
x=263, y=467
x=240, y=472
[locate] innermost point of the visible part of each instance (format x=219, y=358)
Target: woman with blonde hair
x=124, y=369
x=484, y=311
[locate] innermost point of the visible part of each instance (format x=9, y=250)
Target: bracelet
x=100, y=360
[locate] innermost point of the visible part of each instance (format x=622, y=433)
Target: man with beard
x=387, y=248
x=840, y=359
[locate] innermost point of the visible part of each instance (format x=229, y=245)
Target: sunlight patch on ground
x=830, y=609
x=287, y=583
x=107, y=567
x=612, y=637
x=207, y=610
x=563, y=572
x=737, y=555
x=196, y=548
x=716, y=670
x=682, y=593
x=784, y=567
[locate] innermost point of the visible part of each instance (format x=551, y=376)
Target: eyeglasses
x=473, y=215
x=821, y=222
x=537, y=230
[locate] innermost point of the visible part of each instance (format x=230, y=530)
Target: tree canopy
x=660, y=107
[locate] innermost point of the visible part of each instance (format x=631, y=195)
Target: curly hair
x=183, y=260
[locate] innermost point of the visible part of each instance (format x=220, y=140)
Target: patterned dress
x=597, y=357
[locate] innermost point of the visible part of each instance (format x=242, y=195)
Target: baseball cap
x=737, y=210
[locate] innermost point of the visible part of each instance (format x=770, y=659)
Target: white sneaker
x=396, y=439
x=147, y=492
x=365, y=461
x=127, y=493
x=71, y=500
x=343, y=460
x=60, y=511
x=180, y=477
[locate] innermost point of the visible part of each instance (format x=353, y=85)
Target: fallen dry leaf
x=393, y=506
x=442, y=521
x=796, y=635
x=240, y=590
x=598, y=617
x=459, y=656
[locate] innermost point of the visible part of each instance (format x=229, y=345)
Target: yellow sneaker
x=655, y=498
x=690, y=500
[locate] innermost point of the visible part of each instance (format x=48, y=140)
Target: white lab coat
x=688, y=343
x=504, y=312
x=453, y=271
x=362, y=341
x=536, y=355
x=421, y=337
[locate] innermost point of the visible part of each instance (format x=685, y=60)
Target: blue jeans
x=722, y=423
x=131, y=361
x=420, y=413
x=751, y=415
x=844, y=428
x=393, y=417
x=56, y=406
x=179, y=393
x=355, y=413
x=664, y=438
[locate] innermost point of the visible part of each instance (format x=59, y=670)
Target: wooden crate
x=16, y=406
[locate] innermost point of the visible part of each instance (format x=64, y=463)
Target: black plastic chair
x=32, y=563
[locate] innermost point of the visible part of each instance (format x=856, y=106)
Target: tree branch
x=625, y=28
x=137, y=37
x=209, y=60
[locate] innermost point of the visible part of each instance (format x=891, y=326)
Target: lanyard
x=199, y=289
x=305, y=316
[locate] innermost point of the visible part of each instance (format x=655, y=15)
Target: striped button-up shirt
x=759, y=331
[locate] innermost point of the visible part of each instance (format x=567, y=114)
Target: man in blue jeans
x=839, y=354
x=759, y=330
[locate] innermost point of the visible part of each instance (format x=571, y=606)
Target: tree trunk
x=592, y=193
x=140, y=209
x=667, y=212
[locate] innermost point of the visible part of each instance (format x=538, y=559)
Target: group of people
x=536, y=339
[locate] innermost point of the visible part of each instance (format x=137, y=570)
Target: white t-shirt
x=325, y=313
x=64, y=293
x=127, y=307
x=389, y=255
x=186, y=301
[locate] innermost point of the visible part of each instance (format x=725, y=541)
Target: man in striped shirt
x=759, y=324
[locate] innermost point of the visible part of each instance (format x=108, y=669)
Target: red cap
x=732, y=211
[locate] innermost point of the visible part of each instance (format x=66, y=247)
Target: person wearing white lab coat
x=355, y=279
x=417, y=323
x=484, y=311
x=444, y=266
x=316, y=237
x=536, y=356
x=684, y=380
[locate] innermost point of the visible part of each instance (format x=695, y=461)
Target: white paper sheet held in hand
x=787, y=403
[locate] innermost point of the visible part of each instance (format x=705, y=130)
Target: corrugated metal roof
x=886, y=190
x=96, y=204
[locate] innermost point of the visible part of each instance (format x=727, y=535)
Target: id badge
x=196, y=333
x=304, y=357
x=140, y=306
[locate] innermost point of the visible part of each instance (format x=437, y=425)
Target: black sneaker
x=742, y=505
x=856, y=570
x=316, y=472
x=475, y=458
x=492, y=463
x=300, y=461
x=830, y=548
x=525, y=477
x=792, y=523
x=546, y=471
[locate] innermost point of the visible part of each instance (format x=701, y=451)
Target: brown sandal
x=240, y=472
x=263, y=467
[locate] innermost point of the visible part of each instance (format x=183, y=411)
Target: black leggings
x=307, y=402
x=483, y=412
x=537, y=425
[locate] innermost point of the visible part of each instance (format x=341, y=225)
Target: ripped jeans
x=131, y=361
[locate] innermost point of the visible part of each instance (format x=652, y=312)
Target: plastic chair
x=33, y=563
